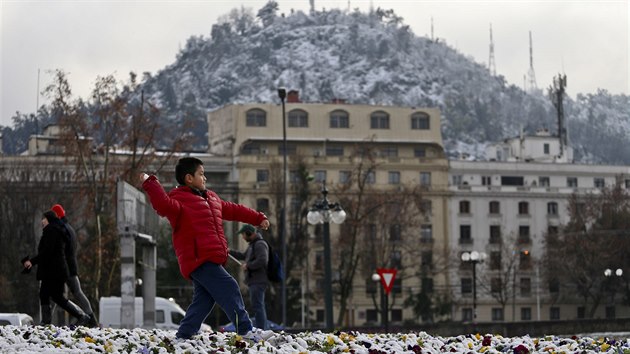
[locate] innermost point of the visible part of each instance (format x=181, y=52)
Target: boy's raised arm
x=161, y=202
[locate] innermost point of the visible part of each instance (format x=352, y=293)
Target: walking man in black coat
x=52, y=270
x=71, y=259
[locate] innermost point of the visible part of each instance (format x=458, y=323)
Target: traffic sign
x=387, y=278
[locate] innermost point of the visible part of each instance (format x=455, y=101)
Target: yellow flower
x=330, y=340
x=88, y=339
x=605, y=347
x=478, y=336
x=483, y=349
x=470, y=345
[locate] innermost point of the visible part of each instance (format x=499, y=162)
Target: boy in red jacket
x=196, y=216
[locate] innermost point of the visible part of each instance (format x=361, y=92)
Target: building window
x=543, y=181
x=512, y=181
x=466, y=285
x=426, y=206
x=494, y=207
x=370, y=177
x=371, y=315
x=420, y=120
x=464, y=207
x=345, y=177
x=427, y=285
x=554, y=286
x=467, y=314
x=497, y=314
x=319, y=315
x=379, y=120
x=627, y=182
x=495, y=260
x=395, y=233
x=262, y=176
x=495, y=234
x=396, y=315
x=495, y=285
x=526, y=313
x=256, y=118
x=526, y=287
x=546, y=149
x=552, y=208
x=599, y=182
x=395, y=260
x=581, y=312
x=572, y=182
x=319, y=260
x=333, y=150
x=397, y=286
x=291, y=149
x=426, y=233
x=465, y=236
x=552, y=230
x=339, y=119
x=394, y=177
x=610, y=312
x=457, y=180
x=523, y=234
x=426, y=261
x=554, y=313
x=422, y=152
x=320, y=176
x=391, y=151
x=525, y=260
x=523, y=208
x=486, y=180
x=425, y=179
x=262, y=205
x=251, y=149
x=298, y=119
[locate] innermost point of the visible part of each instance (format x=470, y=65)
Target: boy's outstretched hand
x=143, y=177
x=265, y=224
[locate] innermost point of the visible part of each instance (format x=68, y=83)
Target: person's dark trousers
x=213, y=284
x=257, y=298
x=53, y=289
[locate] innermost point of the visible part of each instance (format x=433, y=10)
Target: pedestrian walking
x=52, y=270
x=255, y=266
x=196, y=216
x=73, y=282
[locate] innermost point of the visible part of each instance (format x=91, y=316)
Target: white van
x=15, y=319
x=168, y=313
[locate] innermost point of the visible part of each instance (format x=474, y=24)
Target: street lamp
x=282, y=94
x=384, y=305
x=618, y=272
x=474, y=257
x=322, y=212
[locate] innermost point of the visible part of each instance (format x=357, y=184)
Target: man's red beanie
x=58, y=209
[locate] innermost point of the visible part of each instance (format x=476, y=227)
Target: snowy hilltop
x=371, y=58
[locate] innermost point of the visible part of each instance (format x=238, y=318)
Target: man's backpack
x=275, y=270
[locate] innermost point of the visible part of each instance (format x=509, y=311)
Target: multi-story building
x=504, y=208
x=323, y=136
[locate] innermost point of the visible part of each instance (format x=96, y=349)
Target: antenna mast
x=531, y=75
x=491, y=64
x=432, y=38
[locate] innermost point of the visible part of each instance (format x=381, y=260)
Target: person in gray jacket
x=255, y=266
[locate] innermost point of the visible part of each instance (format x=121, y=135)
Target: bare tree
x=596, y=238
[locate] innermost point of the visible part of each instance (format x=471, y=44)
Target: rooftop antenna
x=36, y=111
x=432, y=38
x=491, y=64
x=348, y=5
x=531, y=75
x=556, y=94
x=312, y=6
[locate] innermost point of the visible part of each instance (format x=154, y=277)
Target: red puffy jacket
x=197, y=222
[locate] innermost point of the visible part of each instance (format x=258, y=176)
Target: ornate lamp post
x=282, y=94
x=322, y=212
x=474, y=258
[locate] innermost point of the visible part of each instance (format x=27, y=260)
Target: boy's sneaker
x=252, y=336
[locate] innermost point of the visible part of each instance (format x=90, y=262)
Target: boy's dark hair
x=186, y=166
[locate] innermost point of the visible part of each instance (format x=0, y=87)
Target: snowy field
x=51, y=339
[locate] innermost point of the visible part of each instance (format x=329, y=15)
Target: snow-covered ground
x=51, y=339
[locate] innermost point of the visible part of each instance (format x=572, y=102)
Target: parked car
x=15, y=319
x=272, y=326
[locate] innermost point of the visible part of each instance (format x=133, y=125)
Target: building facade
x=408, y=152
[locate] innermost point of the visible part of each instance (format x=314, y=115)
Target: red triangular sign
x=387, y=278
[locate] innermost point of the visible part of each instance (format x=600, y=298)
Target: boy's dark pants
x=213, y=284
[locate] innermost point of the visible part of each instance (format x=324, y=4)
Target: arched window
x=298, y=119
x=379, y=120
x=339, y=119
x=256, y=117
x=420, y=120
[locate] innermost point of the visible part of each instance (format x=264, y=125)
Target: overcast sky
x=586, y=40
